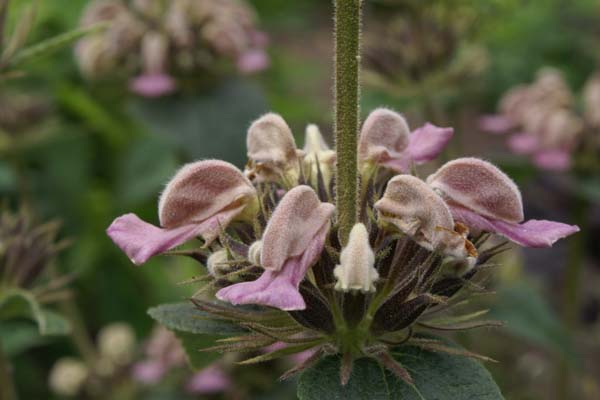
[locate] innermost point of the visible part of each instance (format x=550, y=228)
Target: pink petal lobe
x=533, y=233
x=210, y=380
x=496, y=124
x=252, y=61
x=553, y=160
x=427, y=142
x=149, y=372
x=141, y=240
x=153, y=85
x=278, y=289
x=523, y=143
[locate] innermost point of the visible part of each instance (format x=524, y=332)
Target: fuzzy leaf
x=437, y=376
x=192, y=344
x=185, y=317
x=195, y=330
x=17, y=304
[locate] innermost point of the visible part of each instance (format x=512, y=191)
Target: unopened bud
x=316, y=150
x=384, y=136
x=68, y=376
x=356, y=270
x=216, y=264
x=271, y=148
x=254, y=252
x=591, y=100
x=116, y=342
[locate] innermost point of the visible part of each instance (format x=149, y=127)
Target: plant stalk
x=346, y=107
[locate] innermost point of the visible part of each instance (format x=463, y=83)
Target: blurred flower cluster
x=546, y=123
x=115, y=348
x=27, y=251
x=154, y=41
x=270, y=239
x=416, y=44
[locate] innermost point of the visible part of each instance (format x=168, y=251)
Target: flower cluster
x=277, y=266
x=26, y=252
x=425, y=43
x=544, y=121
x=114, y=351
x=155, y=39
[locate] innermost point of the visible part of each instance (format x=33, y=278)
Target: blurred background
x=101, y=101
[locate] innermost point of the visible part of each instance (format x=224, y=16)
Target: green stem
x=571, y=290
x=7, y=388
x=347, y=91
x=3, y=11
x=82, y=341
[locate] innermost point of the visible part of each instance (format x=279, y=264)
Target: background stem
x=347, y=91
x=571, y=295
x=7, y=388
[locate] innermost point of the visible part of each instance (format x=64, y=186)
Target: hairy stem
x=347, y=91
x=7, y=389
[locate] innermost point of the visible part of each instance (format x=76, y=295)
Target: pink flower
x=153, y=85
x=414, y=209
x=202, y=198
x=385, y=140
x=547, y=129
x=153, y=82
x=252, y=61
x=292, y=242
x=163, y=352
x=149, y=372
x=210, y=380
x=497, y=124
x=485, y=199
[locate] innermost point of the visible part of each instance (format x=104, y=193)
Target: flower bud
x=356, y=270
x=216, y=263
x=316, y=150
x=417, y=211
x=591, y=100
x=479, y=186
x=271, y=149
x=116, y=342
x=254, y=252
x=67, y=377
x=383, y=137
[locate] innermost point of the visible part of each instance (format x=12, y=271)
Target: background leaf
x=529, y=317
x=212, y=124
x=17, y=304
x=437, y=376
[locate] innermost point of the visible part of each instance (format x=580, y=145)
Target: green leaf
x=528, y=316
x=144, y=168
x=17, y=304
x=192, y=343
x=437, y=376
x=17, y=337
x=53, y=44
x=195, y=330
x=185, y=317
x=211, y=124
